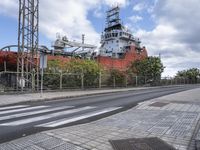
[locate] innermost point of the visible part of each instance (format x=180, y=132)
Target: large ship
x=118, y=45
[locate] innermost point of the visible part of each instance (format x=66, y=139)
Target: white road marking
x=34, y=119
x=12, y=107
x=66, y=121
x=22, y=109
x=34, y=112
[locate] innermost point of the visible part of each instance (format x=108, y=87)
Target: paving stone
x=178, y=133
x=86, y=146
x=198, y=135
x=83, y=140
x=38, y=138
x=68, y=146
x=93, y=143
x=50, y=143
x=165, y=123
x=9, y=146
x=33, y=147
x=182, y=147
x=22, y=143
x=197, y=144
x=158, y=104
x=158, y=130
x=104, y=147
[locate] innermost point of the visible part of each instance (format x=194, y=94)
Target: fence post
x=61, y=77
x=114, y=84
x=136, y=80
x=126, y=80
x=82, y=80
x=33, y=80
x=41, y=85
x=100, y=79
x=5, y=68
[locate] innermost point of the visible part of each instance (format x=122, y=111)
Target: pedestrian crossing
x=12, y=107
x=48, y=116
x=23, y=109
x=33, y=112
x=77, y=118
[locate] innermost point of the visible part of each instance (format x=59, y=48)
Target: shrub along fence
x=62, y=81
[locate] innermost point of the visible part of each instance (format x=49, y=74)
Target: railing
x=62, y=81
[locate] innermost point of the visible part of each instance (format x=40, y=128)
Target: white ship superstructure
x=116, y=39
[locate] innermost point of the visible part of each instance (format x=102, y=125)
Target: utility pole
x=28, y=30
x=83, y=40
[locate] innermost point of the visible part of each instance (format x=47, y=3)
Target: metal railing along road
x=61, y=81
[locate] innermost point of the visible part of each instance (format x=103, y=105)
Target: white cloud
x=139, y=7
x=121, y=3
x=9, y=7
x=175, y=35
x=67, y=17
x=98, y=12
x=135, y=18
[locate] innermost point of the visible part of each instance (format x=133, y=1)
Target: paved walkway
x=12, y=99
x=173, y=118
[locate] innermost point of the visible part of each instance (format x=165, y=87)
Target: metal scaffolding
x=27, y=63
x=112, y=19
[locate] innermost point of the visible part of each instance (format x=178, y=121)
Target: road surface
x=28, y=118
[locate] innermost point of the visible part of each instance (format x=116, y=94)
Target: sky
x=170, y=28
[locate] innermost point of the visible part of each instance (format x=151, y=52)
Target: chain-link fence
x=11, y=81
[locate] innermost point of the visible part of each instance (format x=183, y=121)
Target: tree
x=192, y=74
x=151, y=68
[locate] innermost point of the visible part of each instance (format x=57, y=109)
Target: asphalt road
x=28, y=118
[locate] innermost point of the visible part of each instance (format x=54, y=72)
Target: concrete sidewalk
x=17, y=98
x=173, y=118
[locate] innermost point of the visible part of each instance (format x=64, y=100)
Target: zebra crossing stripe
x=33, y=112
x=39, y=118
x=12, y=107
x=81, y=117
x=22, y=109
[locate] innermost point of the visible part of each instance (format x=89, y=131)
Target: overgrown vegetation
x=72, y=73
x=117, y=78
x=150, y=68
x=193, y=74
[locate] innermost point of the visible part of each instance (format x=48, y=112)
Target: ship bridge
x=116, y=38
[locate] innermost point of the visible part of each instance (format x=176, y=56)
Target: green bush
x=73, y=71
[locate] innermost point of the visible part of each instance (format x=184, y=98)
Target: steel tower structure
x=27, y=63
x=112, y=19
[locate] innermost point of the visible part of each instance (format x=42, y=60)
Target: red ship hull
x=122, y=63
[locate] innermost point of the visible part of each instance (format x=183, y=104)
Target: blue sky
x=164, y=26
x=8, y=31
x=9, y=24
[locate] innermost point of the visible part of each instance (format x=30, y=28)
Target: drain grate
x=158, y=104
x=153, y=143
